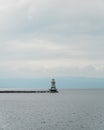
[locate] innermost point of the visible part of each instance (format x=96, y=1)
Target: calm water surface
x=66, y=110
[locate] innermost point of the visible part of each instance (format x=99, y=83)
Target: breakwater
x=27, y=91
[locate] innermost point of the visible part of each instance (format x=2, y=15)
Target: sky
x=49, y=38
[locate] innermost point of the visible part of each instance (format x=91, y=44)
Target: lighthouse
x=53, y=86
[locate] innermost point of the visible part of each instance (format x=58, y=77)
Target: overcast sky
x=50, y=38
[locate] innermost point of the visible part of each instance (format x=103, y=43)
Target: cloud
x=43, y=38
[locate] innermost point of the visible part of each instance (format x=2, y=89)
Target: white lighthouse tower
x=53, y=86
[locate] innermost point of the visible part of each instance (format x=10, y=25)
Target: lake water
x=66, y=110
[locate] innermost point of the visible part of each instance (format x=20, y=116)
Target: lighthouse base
x=53, y=90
